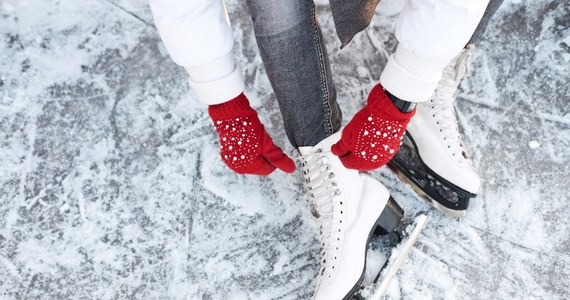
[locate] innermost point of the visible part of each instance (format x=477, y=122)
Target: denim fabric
x=296, y=61
x=295, y=58
x=487, y=16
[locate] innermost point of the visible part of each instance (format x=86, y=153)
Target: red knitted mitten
x=245, y=146
x=374, y=134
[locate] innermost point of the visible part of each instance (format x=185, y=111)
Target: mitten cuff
x=236, y=107
x=379, y=101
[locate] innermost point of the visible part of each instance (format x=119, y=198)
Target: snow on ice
x=111, y=186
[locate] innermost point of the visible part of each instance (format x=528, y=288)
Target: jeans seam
x=322, y=71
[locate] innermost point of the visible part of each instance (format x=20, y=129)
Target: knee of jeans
x=272, y=17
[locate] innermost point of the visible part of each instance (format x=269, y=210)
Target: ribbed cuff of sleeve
x=218, y=81
x=411, y=77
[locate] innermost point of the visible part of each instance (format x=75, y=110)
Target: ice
x=533, y=144
x=111, y=184
x=375, y=260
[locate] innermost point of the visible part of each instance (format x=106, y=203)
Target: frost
x=566, y=40
x=7, y=7
x=533, y=144
x=112, y=186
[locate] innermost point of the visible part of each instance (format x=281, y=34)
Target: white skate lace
x=442, y=105
x=322, y=187
x=462, y=66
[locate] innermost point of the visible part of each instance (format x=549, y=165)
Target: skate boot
x=432, y=156
x=350, y=207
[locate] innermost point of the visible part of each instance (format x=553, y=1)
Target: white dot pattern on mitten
x=239, y=141
x=378, y=140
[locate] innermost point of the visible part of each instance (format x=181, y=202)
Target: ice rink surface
x=111, y=186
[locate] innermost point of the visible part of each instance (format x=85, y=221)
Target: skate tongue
x=305, y=150
x=325, y=144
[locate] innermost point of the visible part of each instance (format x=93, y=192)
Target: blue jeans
x=295, y=58
x=293, y=52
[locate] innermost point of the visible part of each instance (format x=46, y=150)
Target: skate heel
x=390, y=218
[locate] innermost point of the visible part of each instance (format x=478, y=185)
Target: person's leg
x=294, y=55
x=350, y=205
x=437, y=141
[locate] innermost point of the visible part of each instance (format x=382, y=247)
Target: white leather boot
x=349, y=206
x=436, y=136
x=436, y=162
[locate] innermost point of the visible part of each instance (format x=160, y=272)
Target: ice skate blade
x=445, y=196
x=445, y=210
x=397, y=258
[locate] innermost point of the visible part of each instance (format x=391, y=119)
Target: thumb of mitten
x=275, y=156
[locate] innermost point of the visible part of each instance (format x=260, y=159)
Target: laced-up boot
x=435, y=133
x=350, y=207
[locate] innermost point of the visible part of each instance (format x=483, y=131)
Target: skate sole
x=397, y=258
x=447, y=211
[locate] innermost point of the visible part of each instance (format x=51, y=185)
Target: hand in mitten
x=245, y=146
x=374, y=134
